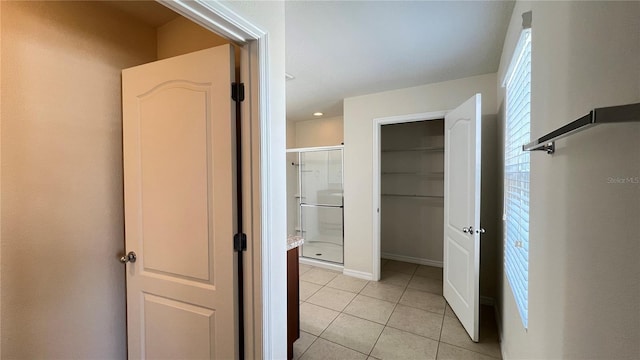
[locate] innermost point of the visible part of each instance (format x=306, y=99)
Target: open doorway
x=408, y=176
x=412, y=192
x=64, y=60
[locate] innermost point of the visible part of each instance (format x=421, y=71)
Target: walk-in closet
x=412, y=191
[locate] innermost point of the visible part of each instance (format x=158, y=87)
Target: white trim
x=317, y=148
x=218, y=18
x=320, y=264
x=413, y=260
x=215, y=16
x=377, y=127
x=358, y=274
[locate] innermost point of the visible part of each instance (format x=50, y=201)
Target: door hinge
x=237, y=92
x=240, y=242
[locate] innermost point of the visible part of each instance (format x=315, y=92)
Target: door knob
x=130, y=257
x=480, y=231
x=465, y=230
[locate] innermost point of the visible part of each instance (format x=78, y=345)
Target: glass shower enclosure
x=315, y=201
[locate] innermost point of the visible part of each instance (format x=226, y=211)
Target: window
x=516, y=173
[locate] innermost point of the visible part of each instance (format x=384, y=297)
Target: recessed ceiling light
x=318, y=114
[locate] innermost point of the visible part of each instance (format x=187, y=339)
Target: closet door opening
x=426, y=211
x=412, y=192
x=408, y=191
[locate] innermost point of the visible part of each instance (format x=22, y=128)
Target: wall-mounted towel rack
x=605, y=115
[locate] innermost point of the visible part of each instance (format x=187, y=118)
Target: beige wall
x=182, y=36
x=291, y=134
x=62, y=220
x=359, y=114
x=584, y=243
x=319, y=132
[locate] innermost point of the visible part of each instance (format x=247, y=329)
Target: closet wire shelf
x=604, y=115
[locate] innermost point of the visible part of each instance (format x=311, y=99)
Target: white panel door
x=462, y=213
x=179, y=185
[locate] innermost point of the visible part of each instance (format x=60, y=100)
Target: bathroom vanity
x=293, y=292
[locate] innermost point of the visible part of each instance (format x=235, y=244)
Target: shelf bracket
x=549, y=147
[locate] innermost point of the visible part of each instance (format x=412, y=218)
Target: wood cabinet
x=293, y=300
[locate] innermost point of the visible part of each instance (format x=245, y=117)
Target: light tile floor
x=403, y=316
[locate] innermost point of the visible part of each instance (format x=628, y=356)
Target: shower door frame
x=299, y=151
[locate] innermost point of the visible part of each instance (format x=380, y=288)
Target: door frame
x=377, y=191
x=262, y=305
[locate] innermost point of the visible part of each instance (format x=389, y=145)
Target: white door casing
x=462, y=211
x=377, y=190
x=179, y=177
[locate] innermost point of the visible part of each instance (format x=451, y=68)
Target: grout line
x=308, y=347
x=339, y=312
x=380, y=335
x=414, y=271
x=355, y=316
x=308, y=297
x=374, y=298
x=441, y=326
x=353, y=298
x=473, y=351
x=385, y=324
x=346, y=347
x=359, y=291
x=342, y=312
x=410, y=332
x=332, y=321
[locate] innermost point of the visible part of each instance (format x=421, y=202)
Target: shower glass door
x=321, y=204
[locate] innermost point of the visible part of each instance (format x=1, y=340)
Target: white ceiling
x=340, y=49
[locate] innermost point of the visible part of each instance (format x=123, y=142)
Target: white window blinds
x=516, y=173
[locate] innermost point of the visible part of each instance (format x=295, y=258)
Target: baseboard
x=320, y=264
x=413, y=260
x=358, y=274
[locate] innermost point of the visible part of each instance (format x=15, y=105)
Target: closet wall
x=182, y=36
x=63, y=291
x=63, y=288
x=412, y=186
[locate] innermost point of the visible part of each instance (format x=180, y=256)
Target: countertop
x=294, y=241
